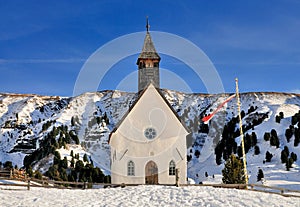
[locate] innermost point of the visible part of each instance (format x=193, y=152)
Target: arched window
x=130, y=168
x=172, y=167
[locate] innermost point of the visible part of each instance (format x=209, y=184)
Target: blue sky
x=44, y=44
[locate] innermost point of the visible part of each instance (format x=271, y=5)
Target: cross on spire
x=147, y=25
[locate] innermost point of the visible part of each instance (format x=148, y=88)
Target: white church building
x=148, y=145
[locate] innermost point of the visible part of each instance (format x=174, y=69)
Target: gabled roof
x=148, y=51
x=137, y=100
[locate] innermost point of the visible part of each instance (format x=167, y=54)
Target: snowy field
x=143, y=196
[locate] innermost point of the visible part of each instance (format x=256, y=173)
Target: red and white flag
x=207, y=118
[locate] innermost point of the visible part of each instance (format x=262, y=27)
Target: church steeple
x=148, y=63
x=147, y=25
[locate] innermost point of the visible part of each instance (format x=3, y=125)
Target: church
x=148, y=145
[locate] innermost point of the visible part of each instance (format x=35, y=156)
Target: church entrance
x=151, y=173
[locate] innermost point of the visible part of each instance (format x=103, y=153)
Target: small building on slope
x=149, y=143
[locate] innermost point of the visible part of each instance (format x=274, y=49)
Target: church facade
x=148, y=146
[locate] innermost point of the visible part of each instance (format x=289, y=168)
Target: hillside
x=28, y=121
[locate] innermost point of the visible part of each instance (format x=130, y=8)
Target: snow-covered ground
x=144, y=196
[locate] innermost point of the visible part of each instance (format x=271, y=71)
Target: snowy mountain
x=28, y=120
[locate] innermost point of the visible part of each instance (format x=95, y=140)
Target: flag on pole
x=207, y=118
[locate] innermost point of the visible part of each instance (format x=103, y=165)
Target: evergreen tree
x=274, y=141
x=294, y=120
x=267, y=136
x=85, y=158
x=98, y=118
x=8, y=165
x=79, y=165
x=256, y=150
x=287, y=150
x=53, y=173
x=243, y=114
x=64, y=163
x=254, y=139
x=268, y=156
x=189, y=158
x=297, y=137
x=277, y=119
x=38, y=175
x=233, y=171
x=284, y=156
x=197, y=153
x=218, y=152
x=251, y=109
x=247, y=143
x=281, y=115
x=57, y=158
x=260, y=175
x=240, y=151
x=289, y=163
x=29, y=171
x=294, y=156
x=288, y=134
x=72, y=164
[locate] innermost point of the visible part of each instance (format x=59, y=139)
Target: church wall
x=129, y=143
x=120, y=161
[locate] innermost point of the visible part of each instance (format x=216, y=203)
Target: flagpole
x=241, y=131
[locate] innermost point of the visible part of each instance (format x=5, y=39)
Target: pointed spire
x=147, y=24
x=148, y=51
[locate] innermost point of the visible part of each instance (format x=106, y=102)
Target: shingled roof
x=148, y=51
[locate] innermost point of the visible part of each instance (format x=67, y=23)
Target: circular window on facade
x=150, y=133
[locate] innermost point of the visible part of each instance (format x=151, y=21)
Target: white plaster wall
x=129, y=143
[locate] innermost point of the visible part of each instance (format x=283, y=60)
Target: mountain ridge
x=93, y=115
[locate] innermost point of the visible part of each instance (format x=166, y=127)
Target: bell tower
x=148, y=63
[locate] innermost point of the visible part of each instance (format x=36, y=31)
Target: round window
x=150, y=133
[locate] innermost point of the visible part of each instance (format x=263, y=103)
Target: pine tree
x=57, y=158
x=281, y=115
x=64, y=163
x=274, y=141
x=72, y=121
x=72, y=164
x=267, y=136
x=8, y=165
x=29, y=171
x=277, y=119
x=233, y=172
x=256, y=150
x=260, y=175
x=284, y=156
x=288, y=134
x=85, y=158
x=287, y=150
x=197, y=153
x=268, y=156
x=297, y=137
x=254, y=139
x=289, y=163
x=294, y=156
